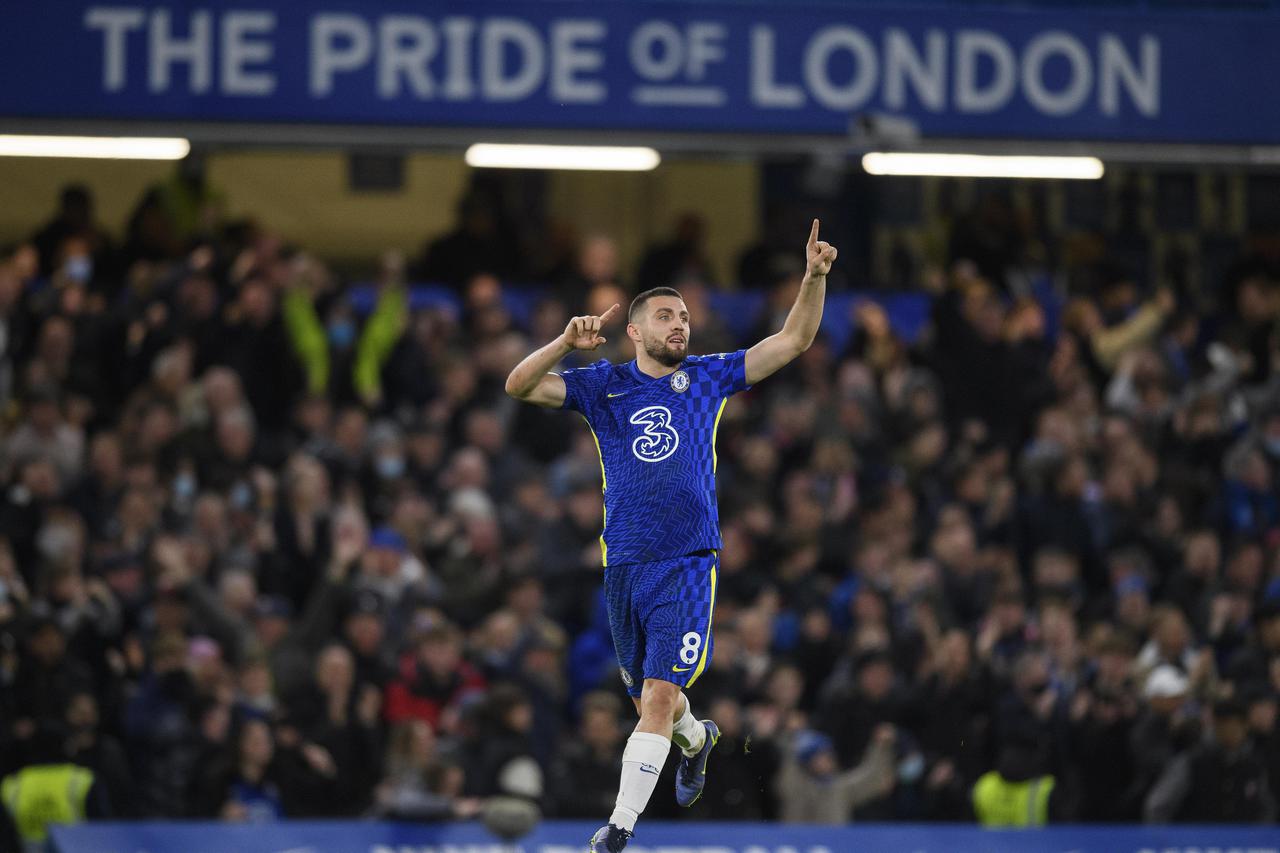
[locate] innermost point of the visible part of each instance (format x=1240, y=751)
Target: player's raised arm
x=532, y=379
x=797, y=333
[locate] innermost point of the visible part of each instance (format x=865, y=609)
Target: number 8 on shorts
x=690, y=647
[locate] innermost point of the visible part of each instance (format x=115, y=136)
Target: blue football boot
x=691, y=775
x=609, y=839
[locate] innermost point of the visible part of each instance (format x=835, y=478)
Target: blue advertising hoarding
x=653, y=837
x=794, y=68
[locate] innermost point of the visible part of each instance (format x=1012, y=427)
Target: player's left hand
x=819, y=254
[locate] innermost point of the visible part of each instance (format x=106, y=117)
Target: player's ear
x=633, y=332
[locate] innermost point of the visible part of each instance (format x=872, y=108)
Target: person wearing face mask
x=341, y=332
x=77, y=269
x=813, y=789
x=385, y=468
x=74, y=219
x=389, y=466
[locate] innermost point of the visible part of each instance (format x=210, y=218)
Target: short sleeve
x=583, y=386
x=728, y=370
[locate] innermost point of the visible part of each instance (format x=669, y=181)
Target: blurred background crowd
x=266, y=552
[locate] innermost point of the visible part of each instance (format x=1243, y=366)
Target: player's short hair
x=637, y=304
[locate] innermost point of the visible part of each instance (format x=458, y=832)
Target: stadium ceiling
x=224, y=135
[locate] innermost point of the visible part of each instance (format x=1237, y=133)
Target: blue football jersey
x=657, y=451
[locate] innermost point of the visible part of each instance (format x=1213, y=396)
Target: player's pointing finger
x=813, y=235
x=605, y=317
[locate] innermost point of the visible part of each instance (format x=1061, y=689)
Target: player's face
x=664, y=330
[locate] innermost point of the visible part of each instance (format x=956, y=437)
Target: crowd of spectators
x=263, y=556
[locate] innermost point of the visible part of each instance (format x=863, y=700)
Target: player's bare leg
x=642, y=760
x=687, y=731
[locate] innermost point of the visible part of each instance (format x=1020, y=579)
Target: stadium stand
x=277, y=545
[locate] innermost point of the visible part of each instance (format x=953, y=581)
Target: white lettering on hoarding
x=827, y=92
x=239, y=49
x=458, y=85
x=167, y=50
x=406, y=45
x=660, y=64
x=971, y=45
x=339, y=42
x=765, y=90
x=657, y=51
x=1072, y=96
x=926, y=74
x=115, y=25
x=1142, y=81
x=499, y=83
x=571, y=56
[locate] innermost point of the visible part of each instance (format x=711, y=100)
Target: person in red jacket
x=433, y=679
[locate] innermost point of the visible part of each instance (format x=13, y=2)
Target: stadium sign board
x=792, y=68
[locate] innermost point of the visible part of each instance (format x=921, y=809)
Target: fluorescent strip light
x=95, y=147
x=591, y=157
x=981, y=165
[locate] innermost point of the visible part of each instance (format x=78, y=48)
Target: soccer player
x=654, y=420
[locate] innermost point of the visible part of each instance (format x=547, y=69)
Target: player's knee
x=659, y=698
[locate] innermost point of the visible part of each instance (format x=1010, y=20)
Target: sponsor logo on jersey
x=659, y=439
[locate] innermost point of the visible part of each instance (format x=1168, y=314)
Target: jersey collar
x=639, y=376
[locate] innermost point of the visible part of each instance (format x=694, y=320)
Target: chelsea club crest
x=626, y=677
x=680, y=382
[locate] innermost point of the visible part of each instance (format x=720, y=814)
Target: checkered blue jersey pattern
x=657, y=451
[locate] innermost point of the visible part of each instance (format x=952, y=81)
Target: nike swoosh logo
x=648, y=768
x=619, y=394
x=681, y=668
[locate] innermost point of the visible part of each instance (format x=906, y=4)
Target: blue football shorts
x=660, y=617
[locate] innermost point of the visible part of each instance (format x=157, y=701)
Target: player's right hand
x=584, y=332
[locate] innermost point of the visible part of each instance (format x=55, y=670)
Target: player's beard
x=664, y=354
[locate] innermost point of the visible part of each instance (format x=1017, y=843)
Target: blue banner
x=653, y=837
x=678, y=66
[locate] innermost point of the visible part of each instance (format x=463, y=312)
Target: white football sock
x=642, y=761
x=688, y=732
